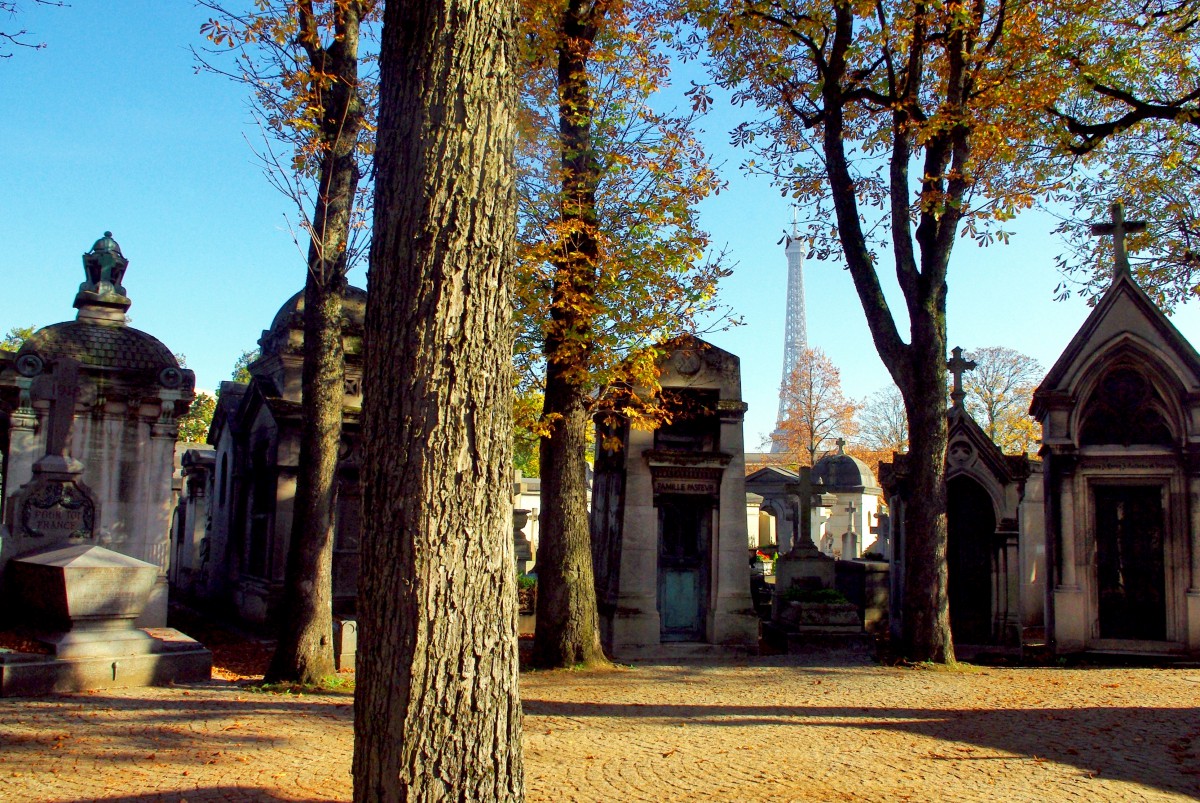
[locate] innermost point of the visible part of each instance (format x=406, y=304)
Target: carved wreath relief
x=59, y=510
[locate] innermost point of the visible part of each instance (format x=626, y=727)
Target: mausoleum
x=1120, y=416
x=235, y=519
x=118, y=392
x=669, y=515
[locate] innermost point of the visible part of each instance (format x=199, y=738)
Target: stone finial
x=101, y=297
x=841, y=445
x=958, y=366
x=1119, y=228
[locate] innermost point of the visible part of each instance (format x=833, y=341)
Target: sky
x=111, y=128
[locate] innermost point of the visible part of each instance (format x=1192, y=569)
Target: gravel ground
x=755, y=729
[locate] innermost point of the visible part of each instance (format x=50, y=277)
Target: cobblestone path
x=760, y=729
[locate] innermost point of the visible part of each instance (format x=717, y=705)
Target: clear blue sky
x=110, y=128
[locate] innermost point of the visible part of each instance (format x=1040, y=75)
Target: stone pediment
x=771, y=479
x=1125, y=317
x=970, y=448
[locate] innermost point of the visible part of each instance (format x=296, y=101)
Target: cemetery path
x=757, y=729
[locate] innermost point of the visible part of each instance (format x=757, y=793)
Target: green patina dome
x=106, y=244
x=100, y=346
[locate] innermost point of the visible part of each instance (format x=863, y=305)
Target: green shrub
x=526, y=582
x=821, y=595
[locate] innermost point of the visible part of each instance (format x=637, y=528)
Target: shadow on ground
x=1126, y=744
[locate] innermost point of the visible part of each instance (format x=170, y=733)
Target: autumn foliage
x=815, y=410
x=611, y=263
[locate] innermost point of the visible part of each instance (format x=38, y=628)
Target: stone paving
x=757, y=729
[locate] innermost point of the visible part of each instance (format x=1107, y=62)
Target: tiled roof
x=101, y=346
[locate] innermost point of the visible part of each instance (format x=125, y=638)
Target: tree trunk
x=305, y=649
x=568, y=623
x=919, y=367
x=437, y=713
x=925, y=607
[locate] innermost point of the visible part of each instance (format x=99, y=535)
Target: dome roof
x=101, y=346
x=290, y=316
x=842, y=472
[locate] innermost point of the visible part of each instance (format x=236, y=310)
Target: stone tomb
x=669, y=516
x=82, y=568
x=994, y=534
x=1120, y=416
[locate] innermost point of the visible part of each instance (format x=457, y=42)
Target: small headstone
x=522, y=546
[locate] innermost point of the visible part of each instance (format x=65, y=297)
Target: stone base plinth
x=1070, y=619
x=179, y=659
x=820, y=645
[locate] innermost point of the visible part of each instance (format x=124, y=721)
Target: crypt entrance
x=684, y=541
x=970, y=560
x=1130, y=576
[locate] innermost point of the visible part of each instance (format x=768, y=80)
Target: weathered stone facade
x=126, y=395
x=669, y=516
x=244, y=488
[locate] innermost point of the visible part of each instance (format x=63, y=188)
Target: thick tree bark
x=568, y=622
x=568, y=625
x=305, y=649
x=925, y=632
x=437, y=714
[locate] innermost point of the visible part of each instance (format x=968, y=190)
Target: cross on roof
x=1118, y=229
x=841, y=445
x=958, y=366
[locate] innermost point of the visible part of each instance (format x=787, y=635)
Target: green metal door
x=684, y=530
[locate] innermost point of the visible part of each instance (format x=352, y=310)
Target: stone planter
x=820, y=615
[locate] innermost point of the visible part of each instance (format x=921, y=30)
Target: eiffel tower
x=795, y=329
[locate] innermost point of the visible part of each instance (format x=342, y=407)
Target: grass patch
x=341, y=683
x=953, y=667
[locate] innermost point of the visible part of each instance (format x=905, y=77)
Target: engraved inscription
x=57, y=511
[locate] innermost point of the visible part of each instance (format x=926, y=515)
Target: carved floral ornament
x=960, y=454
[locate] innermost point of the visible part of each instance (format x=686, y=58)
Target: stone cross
x=1118, y=229
x=841, y=445
x=62, y=406
x=61, y=420
x=958, y=366
x=803, y=522
x=851, y=509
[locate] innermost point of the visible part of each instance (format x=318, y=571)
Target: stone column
x=1193, y=592
x=1071, y=615
x=1194, y=533
x=1067, y=506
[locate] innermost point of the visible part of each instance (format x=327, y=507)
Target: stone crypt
x=88, y=423
x=669, y=514
x=1120, y=416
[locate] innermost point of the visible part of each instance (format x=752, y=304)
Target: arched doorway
x=971, y=524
